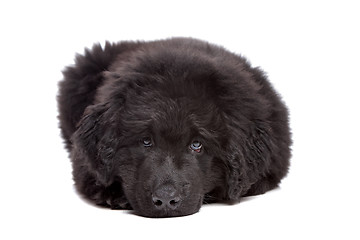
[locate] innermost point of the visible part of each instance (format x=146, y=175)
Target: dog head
x=168, y=133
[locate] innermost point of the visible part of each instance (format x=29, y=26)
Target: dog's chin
x=167, y=212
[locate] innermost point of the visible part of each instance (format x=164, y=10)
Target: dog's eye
x=196, y=146
x=147, y=142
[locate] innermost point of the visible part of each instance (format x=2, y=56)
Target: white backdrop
x=310, y=50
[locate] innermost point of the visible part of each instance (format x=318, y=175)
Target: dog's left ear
x=94, y=140
x=248, y=159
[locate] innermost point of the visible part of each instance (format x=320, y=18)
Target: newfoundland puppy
x=161, y=127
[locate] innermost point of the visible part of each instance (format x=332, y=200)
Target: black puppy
x=161, y=127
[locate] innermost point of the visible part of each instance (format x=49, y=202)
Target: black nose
x=166, y=196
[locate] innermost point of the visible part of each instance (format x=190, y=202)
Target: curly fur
x=173, y=92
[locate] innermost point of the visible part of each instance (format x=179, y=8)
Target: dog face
x=171, y=163
x=163, y=147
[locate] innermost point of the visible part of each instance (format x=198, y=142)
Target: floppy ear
x=94, y=139
x=249, y=158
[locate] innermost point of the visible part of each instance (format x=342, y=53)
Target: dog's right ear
x=94, y=141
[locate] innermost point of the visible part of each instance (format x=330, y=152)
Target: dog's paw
x=118, y=203
x=111, y=197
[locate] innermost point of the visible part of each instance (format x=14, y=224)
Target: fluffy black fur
x=161, y=127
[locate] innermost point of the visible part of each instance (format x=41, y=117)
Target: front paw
x=118, y=203
x=111, y=197
x=115, y=198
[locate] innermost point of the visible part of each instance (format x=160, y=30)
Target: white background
x=310, y=51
